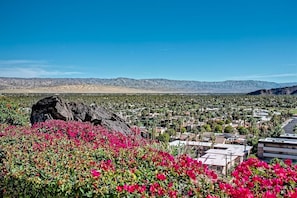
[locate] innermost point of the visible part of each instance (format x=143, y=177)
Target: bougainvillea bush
x=255, y=178
x=73, y=159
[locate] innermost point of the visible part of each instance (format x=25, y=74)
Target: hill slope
x=141, y=85
x=278, y=91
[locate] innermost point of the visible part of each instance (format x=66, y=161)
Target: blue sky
x=211, y=40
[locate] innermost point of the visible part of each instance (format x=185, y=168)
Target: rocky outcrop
x=278, y=91
x=55, y=108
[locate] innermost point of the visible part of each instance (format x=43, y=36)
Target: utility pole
x=226, y=172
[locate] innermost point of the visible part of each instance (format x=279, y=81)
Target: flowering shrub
x=73, y=159
x=255, y=178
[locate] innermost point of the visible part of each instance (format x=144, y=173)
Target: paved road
x=288, y=128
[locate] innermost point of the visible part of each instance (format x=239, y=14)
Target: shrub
x=72, y=159
x=11, y=113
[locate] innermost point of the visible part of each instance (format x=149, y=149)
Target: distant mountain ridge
x=277, y=91
x=158, y=85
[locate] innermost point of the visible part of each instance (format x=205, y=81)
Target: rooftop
x=216, y=159
x=190, y=143
x=279, y=140
x=289, y=136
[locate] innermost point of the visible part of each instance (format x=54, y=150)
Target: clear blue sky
x=204, y=40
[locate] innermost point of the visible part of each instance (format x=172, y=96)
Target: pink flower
x=191, y=174
x=120, y=188
x=95, y=173
x=269, y=195
x=288, y=162
x=161, y=176
x=172, y=193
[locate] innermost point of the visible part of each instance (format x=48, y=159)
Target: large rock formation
x=55, y=108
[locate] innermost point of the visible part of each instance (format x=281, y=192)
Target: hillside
x=278, y=91
x=123, y=85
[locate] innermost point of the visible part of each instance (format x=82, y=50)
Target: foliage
x=228, y=129
x=276, y=132
x=79, y=160
x=164, y=137
x=12, y=113
x=242, y=130
x=255, y=178
x=72, y=159
x=218, y=128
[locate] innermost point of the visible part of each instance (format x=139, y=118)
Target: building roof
x=289, y=136
x=279, y=140
x=220, y=140
x=238, y=150
x=216, y=159
x=190, y=143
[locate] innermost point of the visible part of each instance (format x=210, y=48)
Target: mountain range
x=134, y=85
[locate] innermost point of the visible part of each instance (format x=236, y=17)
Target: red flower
x=288, y=162
x=161, y=176
x=191, y=174
x=269, y=195
x=172, y=193
x=120, y=188
x=95, y=173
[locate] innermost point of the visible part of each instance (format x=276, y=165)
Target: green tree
x=218, y=128
x=207, y=127
x=242, y=130
x=183, y=130
x=228, y=129
x=164, y=137
x=276, y=132
x=171, y=132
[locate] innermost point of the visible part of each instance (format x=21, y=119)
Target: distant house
x=225, y=156
x=220, y=140
x=262, y=114
x=221, y=158
x=199, y=147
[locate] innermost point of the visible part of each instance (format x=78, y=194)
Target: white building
x=219, y=157
x=225, y=156
x=284, y=147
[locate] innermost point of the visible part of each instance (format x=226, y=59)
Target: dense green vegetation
x=13, y=112
x=177, y=111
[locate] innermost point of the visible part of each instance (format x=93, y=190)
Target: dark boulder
x=55, y=108
x=50, y=108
